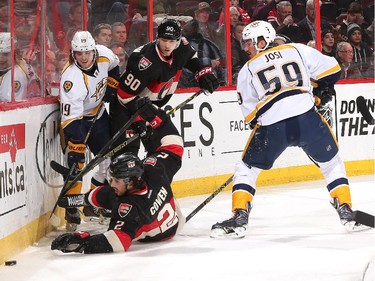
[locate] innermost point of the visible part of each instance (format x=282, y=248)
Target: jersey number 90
x=132, y=82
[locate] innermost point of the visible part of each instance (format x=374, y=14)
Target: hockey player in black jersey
x=153, y=71
x=139, y=195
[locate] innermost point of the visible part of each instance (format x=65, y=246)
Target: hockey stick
x=205, y=202
x=362, y=107
x=364, y=218
x=101, y=156
x=55, y=220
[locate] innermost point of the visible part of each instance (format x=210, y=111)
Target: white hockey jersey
x=275, y=84
x=23, y=73
x=82, y=94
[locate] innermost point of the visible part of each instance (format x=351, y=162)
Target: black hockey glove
x=74, y=200
x=207, y=79
x=144, y=130
x=71, y=242
x=323, y=93
x=76, y=153
x=148, y=112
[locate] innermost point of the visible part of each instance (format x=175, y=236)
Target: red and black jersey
x=150, y=74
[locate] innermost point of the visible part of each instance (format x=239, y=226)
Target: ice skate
x=91, y=214
x=73, y=219
x=347, y=217
x=235, y=227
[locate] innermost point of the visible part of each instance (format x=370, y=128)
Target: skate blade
x=91, y=219
x=219, y=233
x=71, y=226
x=352, y=226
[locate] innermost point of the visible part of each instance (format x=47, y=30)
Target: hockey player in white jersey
x=276, y=97
x=24, y=74
x=87, y=81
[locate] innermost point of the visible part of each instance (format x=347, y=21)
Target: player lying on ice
x=139, y=195
x=276, y=98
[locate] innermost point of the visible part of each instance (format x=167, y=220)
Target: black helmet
x=169, y=29
x=126, y=166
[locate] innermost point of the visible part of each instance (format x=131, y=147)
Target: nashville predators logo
x=67, y=86
x=100, y=90
x=17, y=86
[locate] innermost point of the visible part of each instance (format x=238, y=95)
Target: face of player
x=84, y=59
x=166, y=46
x=250, y=49
x=5, y=61
x=104, y=37
x=120, y=187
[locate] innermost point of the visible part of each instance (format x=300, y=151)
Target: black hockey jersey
x=150, y=74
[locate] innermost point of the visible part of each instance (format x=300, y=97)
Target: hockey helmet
x=5, y=46
x=169, y=29
x=83, y=41
x=127, y=167
x=258, y=29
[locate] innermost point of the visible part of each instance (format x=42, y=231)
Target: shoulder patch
x=124, y=209
x=144, y=63
x=67, y=86
x=17, y=86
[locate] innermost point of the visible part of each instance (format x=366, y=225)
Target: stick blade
x=364, y=218
x=54, y=220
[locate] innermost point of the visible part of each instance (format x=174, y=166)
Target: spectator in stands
x=208, y=54
x=75, y=18
x=119, y=50
x=119, y=33
x=307, y=24
x=281, y=40
x=202, y=16
x=234, y=19
x=328, y=43
x=354, y=15
x=243, y=15
x=25, y=84
x=239, y=56
x=344, y=55
x=103, y=34
x=311, y=44
x=119, y=12
x=284, y=22
x=61, y=61
x=362, y=53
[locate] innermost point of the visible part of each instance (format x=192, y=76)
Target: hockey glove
x=322, y=92
x=111, y=91
x=76, y=153
x=71, y=242
x=144, y=130
x=207, y=79
x=148, y=112
x=73, y=200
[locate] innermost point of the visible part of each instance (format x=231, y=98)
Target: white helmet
x=258, y=29
x=82, y=41
x=5, y=42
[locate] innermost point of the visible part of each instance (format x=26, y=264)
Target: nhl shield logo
x=144, y=63
x=124, y=209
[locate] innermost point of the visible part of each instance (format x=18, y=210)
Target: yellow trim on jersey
x=90, y=114
x=66, y=67
x=281, y=47
x=267, y=100
x=330, y=71
x=103, y=59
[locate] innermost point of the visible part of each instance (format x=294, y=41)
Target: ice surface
x=293, y=234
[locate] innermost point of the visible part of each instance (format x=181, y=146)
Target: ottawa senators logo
x=67, y=86
x=144, y=63
x=17, y=86
x=124, y=209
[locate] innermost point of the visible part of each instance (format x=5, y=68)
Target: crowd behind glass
x=38, y=36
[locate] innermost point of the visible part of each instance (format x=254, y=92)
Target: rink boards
x=214, y=135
